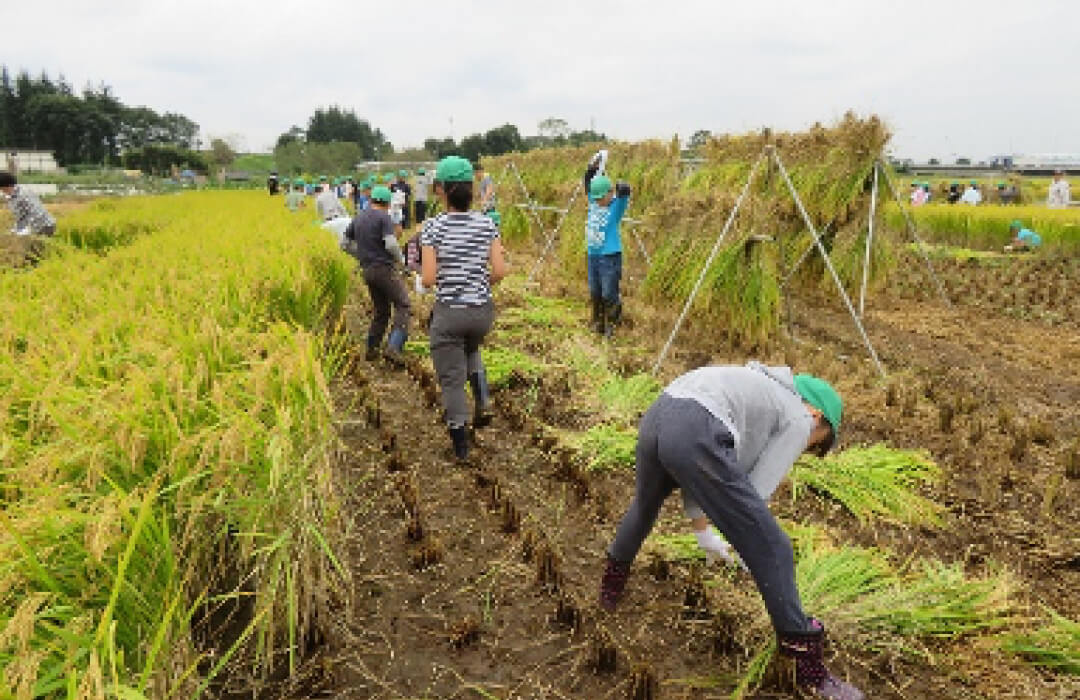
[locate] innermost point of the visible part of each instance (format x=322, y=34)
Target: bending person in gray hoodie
x=727, y=436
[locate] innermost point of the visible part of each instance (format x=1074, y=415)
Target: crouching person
x=461, y=256
x=726, y=436
x=370, y=236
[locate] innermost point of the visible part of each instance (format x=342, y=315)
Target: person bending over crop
x=726, y=436
x=30, y=216
x=374, y=244
x=461, y=256
x=607, y=205
x=1023, y=239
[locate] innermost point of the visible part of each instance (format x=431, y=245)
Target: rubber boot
x=481, y=397
x=616, y=313
x=394, y=346
x=459, y=438
x=372, y=353
x=613, y=583
x=598, y=314
x=808, y=650
x=609, y=320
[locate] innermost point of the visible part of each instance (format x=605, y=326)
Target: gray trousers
x=456, y=334
x=680, y=444
x=387, y=289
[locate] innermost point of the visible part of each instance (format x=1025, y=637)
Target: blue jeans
x=605, y=273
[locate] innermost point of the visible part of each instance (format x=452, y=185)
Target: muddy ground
x=480, y=581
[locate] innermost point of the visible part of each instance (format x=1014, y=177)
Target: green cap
x=365, y=185
x=1001, y=185
x=494, y=216
x=299, y=182
x=454, y=169
x=322, y=178
x=1016, y=224
x=600, y=186
x=381, y=194
x=421, y=171
x=403, y=173
x=820, y=394
x=974, y=182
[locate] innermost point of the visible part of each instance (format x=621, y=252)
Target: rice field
x=205, y=492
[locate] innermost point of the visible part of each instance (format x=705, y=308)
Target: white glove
x=420, y=288
x=600, y=161
x=716, y=547
x=22, y=231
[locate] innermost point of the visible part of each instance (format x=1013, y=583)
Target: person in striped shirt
x=461, y=256
x=30, y=215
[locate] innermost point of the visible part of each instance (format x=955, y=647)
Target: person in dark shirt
x=272, y=183
x=370, y=238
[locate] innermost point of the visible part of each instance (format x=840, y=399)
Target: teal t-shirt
x=602, y=227
x=1029, y=237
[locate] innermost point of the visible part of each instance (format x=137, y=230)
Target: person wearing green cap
x=607, y=205
x=371, y=239
x=362, y=195
x=972, y=195
x=954, y=193
x=462, y=257
x=404, y=198
x=726, y=437
x=1022, y=239
x=296, y=198
x=327, y=204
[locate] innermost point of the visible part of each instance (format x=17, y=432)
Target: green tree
x=503, y=139
x=221, y=154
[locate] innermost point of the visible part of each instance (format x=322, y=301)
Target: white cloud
x=952, y=79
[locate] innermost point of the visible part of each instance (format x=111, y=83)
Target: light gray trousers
x=680, y=444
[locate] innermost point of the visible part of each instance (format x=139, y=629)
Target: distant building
x=22, y=160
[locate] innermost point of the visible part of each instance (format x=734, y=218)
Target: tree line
x=92, y=128
x=336, y=139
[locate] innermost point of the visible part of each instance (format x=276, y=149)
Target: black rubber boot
x=613, y=583
x=808, y=650
x=459, y=437
x=394, y=346
x=478, y=383
x=609, y=320
x=598, y=314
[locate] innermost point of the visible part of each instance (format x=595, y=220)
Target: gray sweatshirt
x=763, y=412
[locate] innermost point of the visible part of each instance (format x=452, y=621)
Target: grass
x=162, y=405
x=608, y=446
x=626, y=398
x=872, y=604
x=875, y=482
x=1054, y=646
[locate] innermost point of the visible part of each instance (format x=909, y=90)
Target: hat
x=974, y=182
x=421, y=171
x=454, y=169
x=381, y=194
x=600, y=186
x=403, y=173
x=1001, y=185
x=820, y=394
x=299, y=182
x=322, y=178
x=1016, y=224
x=494, y=216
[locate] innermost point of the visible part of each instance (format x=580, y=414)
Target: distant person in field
x=928, y=195
x=486, y=189
x=402, y=186
x=726, y=437
x=603, y=242
x=1059, y=196
x=272, y=182
x=1023, y=239
x=30, y=215
x=918, y=195
x=955, y=192
x=913, y=193
x=972, y=195
x=296, y=196
x=461, y=257
x=362, y=196
x=420, y=195
x=327, y=203
x=371, y=238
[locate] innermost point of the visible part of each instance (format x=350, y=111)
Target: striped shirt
x=29, y=213
x=462, y=243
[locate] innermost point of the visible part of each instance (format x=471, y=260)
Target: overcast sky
x=951, y=78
